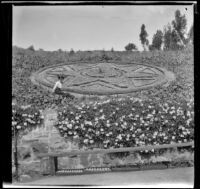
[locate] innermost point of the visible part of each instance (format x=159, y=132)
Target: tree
x=31, y=48
x=143, y=37
x=112, y=49
x=174, y=34
x=60, y=50
x=130, y=47
x=71, y=51
x=179, y=25
x=157, y=41
x=190, y=35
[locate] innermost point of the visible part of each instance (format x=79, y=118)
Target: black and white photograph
x=103, y=95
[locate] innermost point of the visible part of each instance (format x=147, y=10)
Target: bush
x=125, y=123
x=25, y=119
x=31, y=48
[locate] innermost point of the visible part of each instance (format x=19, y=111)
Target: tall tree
x=143, y=37
x=167, y=37
x=179, y=24
x=157, y=40
x=191, y=35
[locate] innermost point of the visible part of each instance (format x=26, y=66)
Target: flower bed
x=126, y=123
x=26, y=62
x=25, y=119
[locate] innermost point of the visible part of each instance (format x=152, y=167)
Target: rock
x=95, y=160
x=45, y=166
x=24, y=153
x=24, y=178
x=39, y=147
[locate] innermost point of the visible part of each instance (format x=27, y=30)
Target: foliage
x=124, y=122
x=71, y=51
x=174, y=34
x=191, y=35
x=179, y=25
x=143, y=37
x=157, y=40
x=31, y=48
x=25, y=63
x=130, y=47
x=25, y=119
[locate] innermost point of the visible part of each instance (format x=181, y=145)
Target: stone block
x=39, y=147
x=25, y=178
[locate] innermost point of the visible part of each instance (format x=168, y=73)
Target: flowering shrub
x=126, y=123
x=25, y=119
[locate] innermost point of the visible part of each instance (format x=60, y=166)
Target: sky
x=90, y=27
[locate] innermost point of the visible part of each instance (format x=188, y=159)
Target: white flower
x=14, y=123
x=156, y=119
x=102, y=117
x=188, y=113
x=108, y=124
x=101, y=110
x=153, y=112
x=119, y=137
x=85, y=141
x=69, y=126
x=18, y=127
x=88, y=122
x=155, y=133
x=25, y=123
x=91, y=141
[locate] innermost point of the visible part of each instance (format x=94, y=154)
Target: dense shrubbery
x=125, y=123
x=26, y=62
x=25, y=118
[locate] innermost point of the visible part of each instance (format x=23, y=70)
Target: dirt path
x=179, y=177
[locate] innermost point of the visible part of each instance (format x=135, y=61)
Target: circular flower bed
x=24, y=119
x=127, y=123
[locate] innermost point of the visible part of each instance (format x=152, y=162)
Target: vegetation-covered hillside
x=27, y=61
